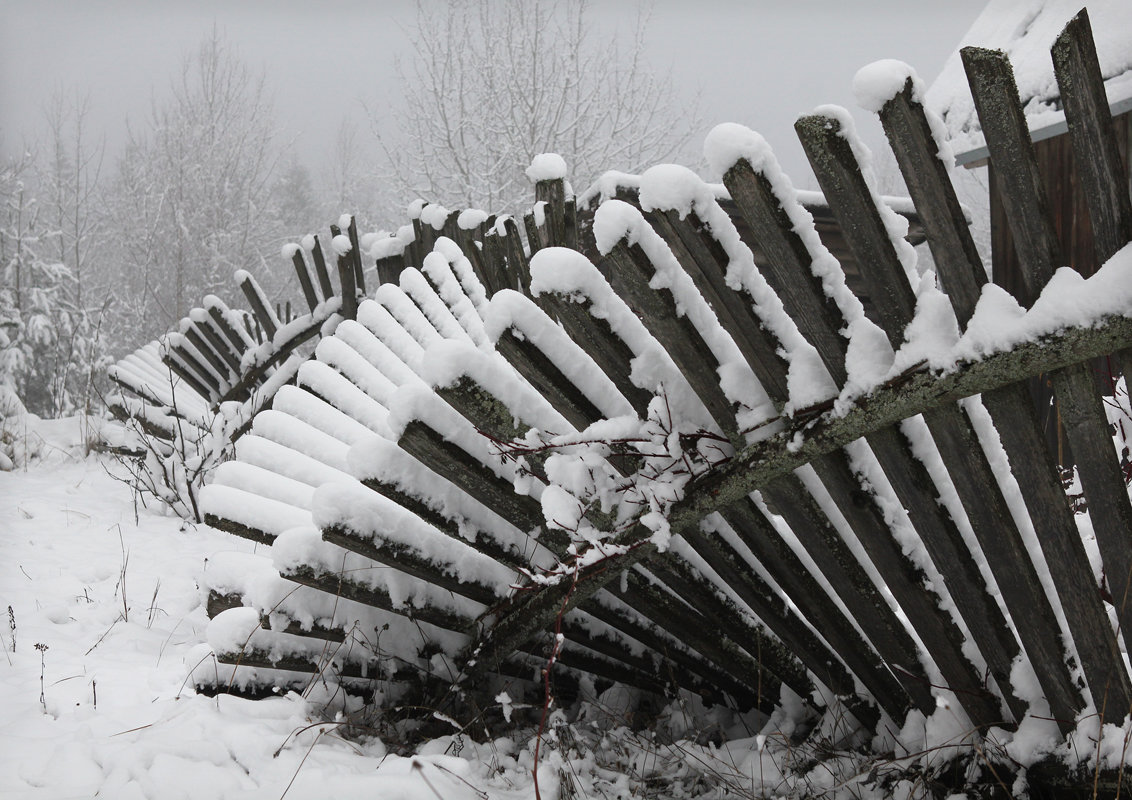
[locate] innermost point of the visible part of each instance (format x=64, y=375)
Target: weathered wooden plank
x=973, y=477
x=535, y=235
x=1008, y=141
x=1100, y=169
x=553, y=193
x=213, y=334
x=304, y=277
x=608, y=351
x=706, y=263
x=261, y=308
x=803, y=589
x=518, y=268
x=495, y=274
x=762, y=462
x=492, y=417
x=356, y=256
x=789, y=498
x=254, y=375
x=630, y=275
x=178, y=359
x=408, y=560
x=464, y=470
x=949, y=239
x=797, y=636
x=320, y=270
x=1104, y=182
x=218, y=602
x=548, y=380
x=219, y=367
x=238, y=342
x=389, y=269
x=787, y=267
x=341, y=586
x=346, y=277
x=704, y=259
x=698, y=364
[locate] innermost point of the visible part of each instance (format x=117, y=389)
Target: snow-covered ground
x=103, y=619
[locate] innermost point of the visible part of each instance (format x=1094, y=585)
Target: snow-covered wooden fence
x=633, y=450
x=219, y=355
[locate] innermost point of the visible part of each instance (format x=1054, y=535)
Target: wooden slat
x=518, y=269
x=706, y=264
x=205, y=349
x=608, y=351
x=631, y=272
x=1100, y=169
x=261, y=308
x=356, y=256
x=212, y=333
x=346, y=278
x=492, y=417
x=304, y=277
x=1104, y=182
x=535, y=235
x=462, y=469
x=320, y=270
x=553, y=193
x=186, y=365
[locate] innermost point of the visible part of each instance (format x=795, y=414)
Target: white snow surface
x=1025, y=30
x=546, y=167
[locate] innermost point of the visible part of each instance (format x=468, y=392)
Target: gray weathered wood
x=197, y=340
x=320, y=270
x=261, y=308
x=631, y=273
x=356, y=256
x=608, y=351
x=1008, y=141
x=215, y=337
x=304, y=277
x=1100, y=169
x=706, y=263
x=464, y=470
x=967, y=465
x=818, y=318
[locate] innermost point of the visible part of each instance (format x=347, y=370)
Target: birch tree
x=493, y=83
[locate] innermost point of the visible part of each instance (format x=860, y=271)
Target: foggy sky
x=758, y=63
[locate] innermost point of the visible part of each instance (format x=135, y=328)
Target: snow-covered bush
x=171, y=473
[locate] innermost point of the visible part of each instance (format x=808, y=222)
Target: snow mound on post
x=546, y=167
x=341, y=244
x=728, y=143
x=877, y=83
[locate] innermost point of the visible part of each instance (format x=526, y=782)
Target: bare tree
x=192, y=194
x=493, y=83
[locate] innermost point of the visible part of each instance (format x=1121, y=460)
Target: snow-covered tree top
x=1025, y=30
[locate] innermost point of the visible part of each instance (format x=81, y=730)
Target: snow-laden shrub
x=171, y=473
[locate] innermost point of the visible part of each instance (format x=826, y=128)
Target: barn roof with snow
x=1025, y=30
